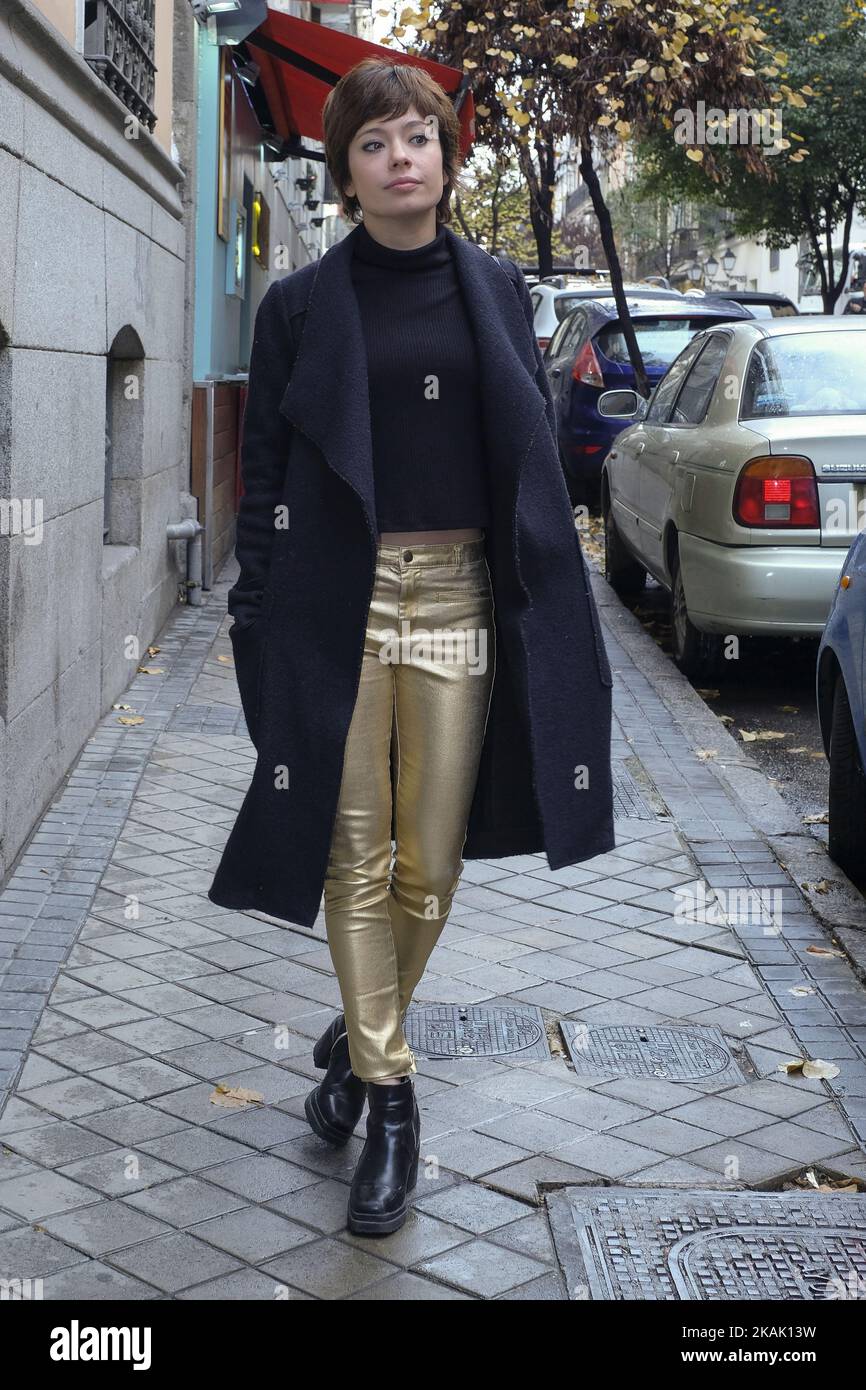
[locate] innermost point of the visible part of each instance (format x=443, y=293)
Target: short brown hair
x=376, y=87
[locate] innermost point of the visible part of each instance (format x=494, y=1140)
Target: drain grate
x=714, y=1245
x=628, y=799
x=457, y=1030
x=677, y=1054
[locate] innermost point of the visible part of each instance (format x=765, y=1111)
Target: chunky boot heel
x=333, y=1108
x=388, y=1167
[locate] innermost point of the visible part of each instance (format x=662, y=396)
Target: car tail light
x=777, y=490
x=542, y=344
x=586, y=368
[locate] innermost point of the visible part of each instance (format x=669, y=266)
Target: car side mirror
x=622, y=405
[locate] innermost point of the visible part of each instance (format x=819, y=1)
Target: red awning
x=300, y=62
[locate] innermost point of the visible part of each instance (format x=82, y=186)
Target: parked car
x=740, y=486
x=587, y=356
x=841, y=697
x=553, y=300
x=761, y=304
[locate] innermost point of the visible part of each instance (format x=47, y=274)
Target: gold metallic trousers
x=423, y=698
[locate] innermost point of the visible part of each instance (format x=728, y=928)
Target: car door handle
x=613, y=454
x=675, y=456
x=556, y=371
x=639, y=448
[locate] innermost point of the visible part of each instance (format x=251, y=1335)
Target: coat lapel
x=327, y=397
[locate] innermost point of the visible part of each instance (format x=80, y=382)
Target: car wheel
x=624, y=574
x=847, y=837
x=695, y=652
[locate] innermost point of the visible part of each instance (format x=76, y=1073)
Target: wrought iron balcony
x=119, y=46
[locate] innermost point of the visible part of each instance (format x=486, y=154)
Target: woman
x=401, y=474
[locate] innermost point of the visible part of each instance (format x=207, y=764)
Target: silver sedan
x=742, y=482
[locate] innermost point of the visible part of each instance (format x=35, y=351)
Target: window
x=555, y=344
x=666, y=391
x=774, y=260
x=806, y=374
x=693, y=402
x=659, y=339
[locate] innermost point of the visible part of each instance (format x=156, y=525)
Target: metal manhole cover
x=676, y=1054
x=716, y=1246
x=457, y=1030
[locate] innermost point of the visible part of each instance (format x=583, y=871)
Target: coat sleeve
x=264, y=453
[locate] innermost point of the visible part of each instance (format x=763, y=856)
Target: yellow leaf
x=694, y=154
x=658, y=73
x=234, y=1097
x=151, y=670
x=131, y=719
x=702, y=57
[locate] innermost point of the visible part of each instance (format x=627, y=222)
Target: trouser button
x=407, y=555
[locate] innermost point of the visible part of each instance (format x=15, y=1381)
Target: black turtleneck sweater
x=429, y=462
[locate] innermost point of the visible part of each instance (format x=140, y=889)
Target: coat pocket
x=604, y=671
x=248, y=646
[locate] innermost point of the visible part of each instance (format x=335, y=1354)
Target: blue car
x=840, y=686
x=587, y=356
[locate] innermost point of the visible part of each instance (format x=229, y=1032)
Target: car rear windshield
x=806, y=374
x=660, y=340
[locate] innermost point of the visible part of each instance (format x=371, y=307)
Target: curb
x=841, y=909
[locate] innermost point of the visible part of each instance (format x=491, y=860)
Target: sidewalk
x=119, y=1176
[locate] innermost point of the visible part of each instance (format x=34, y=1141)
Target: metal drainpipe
x=190, y=531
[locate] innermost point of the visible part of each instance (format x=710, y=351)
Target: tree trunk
x=608, y=241
x=541, y=201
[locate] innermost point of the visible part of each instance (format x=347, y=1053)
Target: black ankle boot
x=334, y=1107
x=388, y=1167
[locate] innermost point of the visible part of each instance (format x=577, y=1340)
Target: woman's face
x=396, y=165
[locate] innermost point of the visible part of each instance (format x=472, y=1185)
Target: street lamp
x=695, y=270
x=729, y=260
x=712, y=266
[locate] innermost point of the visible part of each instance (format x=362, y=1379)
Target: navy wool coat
x=306, y=546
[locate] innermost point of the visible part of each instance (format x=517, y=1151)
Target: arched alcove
x=124, y=439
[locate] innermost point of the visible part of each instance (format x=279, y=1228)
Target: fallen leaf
x=815, y=1070
x=234, y=1097
x=704, y=753
x=822, y=819
x=789, y=709
x=131, y=719
x=763, y=735
x=800, y=990
x=823, y=951
x=151, y=670
x=708, y=694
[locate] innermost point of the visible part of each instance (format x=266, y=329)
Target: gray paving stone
x=260, y=1179
x=252, y=1233
x=174, y=1261
x=329, y=1269
x=245, y=1285
x=193, y=1148
x=104, y=1227
x=118, y=1172
x=94, y=1281
x=482, y=1269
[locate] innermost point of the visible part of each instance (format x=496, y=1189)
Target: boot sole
x=319, y=1125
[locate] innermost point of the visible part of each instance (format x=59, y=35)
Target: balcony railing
x=119, y=46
